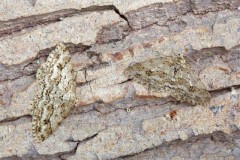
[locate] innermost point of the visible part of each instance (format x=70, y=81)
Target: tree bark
x=115, y=117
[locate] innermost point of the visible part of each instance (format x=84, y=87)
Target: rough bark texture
x=115, y=118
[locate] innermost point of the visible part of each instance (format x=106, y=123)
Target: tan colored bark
x=115, y=117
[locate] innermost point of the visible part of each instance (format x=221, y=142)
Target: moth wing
x=170, y=74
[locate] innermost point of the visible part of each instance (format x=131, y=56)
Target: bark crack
x=94, y=109
x=191, y=140
x=122, y=16
x=73, y=152
x=19, y=24
x=6, y=121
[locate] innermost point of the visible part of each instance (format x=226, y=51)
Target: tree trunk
x=117, y=117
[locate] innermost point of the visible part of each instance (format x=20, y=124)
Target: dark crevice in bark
x=56, y=156
x=38, y=157
x=191, y=140
x=98, y=65
x=122, y=16
x=200, y=7
x=17, y=25
x=73, y=48
x=64, y=155
x=26, y=118
x=15, y=120
x=84, y=140
x=17, y=77
x=196, y=55
x=96, y=60
x=126, y=81
x=224, y=89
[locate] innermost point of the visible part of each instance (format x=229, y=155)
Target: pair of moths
x=57, y=87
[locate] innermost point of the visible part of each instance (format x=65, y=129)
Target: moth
x=56, y=93
x=170, y=74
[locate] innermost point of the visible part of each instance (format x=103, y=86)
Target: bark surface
x=114, y=117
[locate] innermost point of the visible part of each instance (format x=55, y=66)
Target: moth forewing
x=56, y=93
x=170, y=74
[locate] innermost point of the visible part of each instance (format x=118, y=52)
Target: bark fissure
x=191, y=140
x=16, y=25
x=73, y=152
x=13, y=120
x=94, y=109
